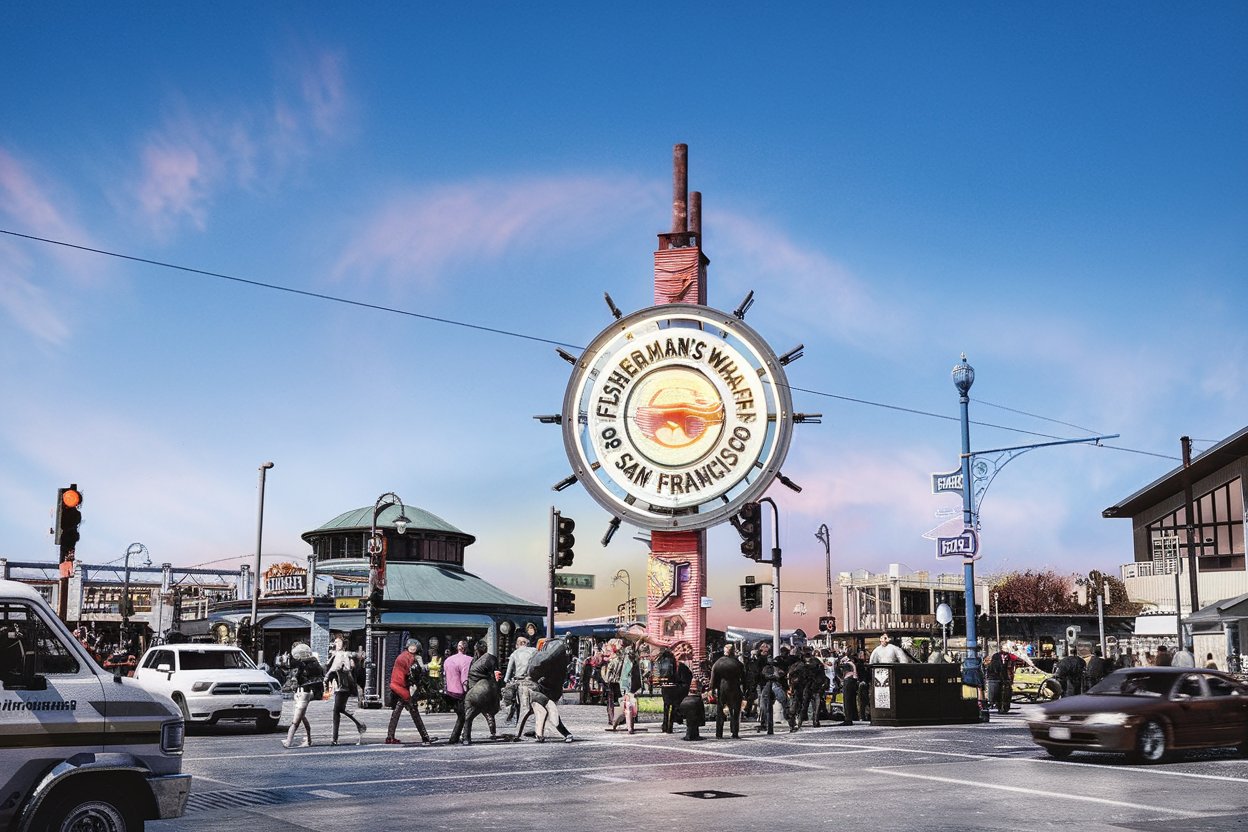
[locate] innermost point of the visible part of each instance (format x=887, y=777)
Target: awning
x=1155, y=625
x=435, y=619
x=284, y=622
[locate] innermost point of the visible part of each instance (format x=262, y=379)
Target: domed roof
x=418, y=520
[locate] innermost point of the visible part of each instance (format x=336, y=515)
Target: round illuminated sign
x=676, y=415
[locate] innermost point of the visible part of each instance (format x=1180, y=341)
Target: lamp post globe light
x=376, y=582
x=963, y=377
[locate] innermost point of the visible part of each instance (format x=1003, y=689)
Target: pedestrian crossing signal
x=751, y=596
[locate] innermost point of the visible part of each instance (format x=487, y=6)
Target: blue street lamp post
x=963, y=378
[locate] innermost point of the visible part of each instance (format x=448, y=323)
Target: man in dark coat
x=667, y=670
x=1095, y=668
x=997, y=676
x=772, y=690
x=482, y=696
x=726, y=676
x=1069, y=673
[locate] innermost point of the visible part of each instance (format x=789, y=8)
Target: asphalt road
x=932, y=778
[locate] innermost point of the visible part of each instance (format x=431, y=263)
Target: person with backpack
x=307, y=679
x=341, y=673
x=482, y=696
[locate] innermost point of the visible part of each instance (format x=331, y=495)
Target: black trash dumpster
x=920, y=694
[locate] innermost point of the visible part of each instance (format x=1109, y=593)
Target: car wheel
x=266, y=724
x=94, y=809
x=1058, y=752
x=1150, y=743
x=1049, y=690
x=180, y=701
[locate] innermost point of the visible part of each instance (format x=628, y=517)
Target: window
x=1190, y=686
x=214, y=659
x=24, y=637
x=1222, y=687
x=1218, y=529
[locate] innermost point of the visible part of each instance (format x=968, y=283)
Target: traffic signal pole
x=550, y=574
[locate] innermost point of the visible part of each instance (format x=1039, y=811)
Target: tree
x=1035, y=592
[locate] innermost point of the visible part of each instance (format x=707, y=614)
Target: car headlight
x=172, y=735
x=1106, y=719
x=201, y=686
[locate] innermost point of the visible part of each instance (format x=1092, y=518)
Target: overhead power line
x=513, y=334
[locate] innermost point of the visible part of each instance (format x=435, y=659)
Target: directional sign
x=570, y=580
x=947, y=482
x=965, y=545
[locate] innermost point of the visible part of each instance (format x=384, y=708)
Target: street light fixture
x=377, y=581
x=628, y=591
x=256, y=641
x=825, y=537
x=133, y=550
x=963, y=377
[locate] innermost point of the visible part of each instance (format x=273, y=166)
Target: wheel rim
x=95, y=816
x=1152, y=741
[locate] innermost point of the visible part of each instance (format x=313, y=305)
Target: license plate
x=1059, y=732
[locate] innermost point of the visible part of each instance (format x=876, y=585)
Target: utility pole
x=1189, y=510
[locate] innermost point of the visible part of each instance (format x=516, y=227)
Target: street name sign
x=964, y=545
x=947, y=482
x=570, y=580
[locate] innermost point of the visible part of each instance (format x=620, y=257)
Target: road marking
x=1136, y=769
x=607, y=777
x=327, y=794
x=753, y=758
x=1035, y=792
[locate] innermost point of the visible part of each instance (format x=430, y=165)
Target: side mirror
x=1182, y=697
x=164, y=668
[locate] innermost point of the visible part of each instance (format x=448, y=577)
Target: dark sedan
x=1146, y=713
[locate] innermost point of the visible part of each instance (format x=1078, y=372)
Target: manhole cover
x=709, y=794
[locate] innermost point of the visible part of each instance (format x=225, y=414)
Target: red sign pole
x=676, y=618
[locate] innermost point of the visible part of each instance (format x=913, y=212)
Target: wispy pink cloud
x=818, y=292
x=414, y=237
x=202, y=150
x=27, y=203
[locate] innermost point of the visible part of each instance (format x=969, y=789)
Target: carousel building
x=425, y=592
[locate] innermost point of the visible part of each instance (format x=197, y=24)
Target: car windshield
x=1133, y=684
x=214, y=659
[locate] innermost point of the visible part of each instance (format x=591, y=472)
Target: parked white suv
x=212, y=682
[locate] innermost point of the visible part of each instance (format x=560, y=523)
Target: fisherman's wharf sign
x=676, y=415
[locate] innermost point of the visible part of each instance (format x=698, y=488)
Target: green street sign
x=566, y=580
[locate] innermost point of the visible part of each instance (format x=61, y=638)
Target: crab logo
x=677, y=417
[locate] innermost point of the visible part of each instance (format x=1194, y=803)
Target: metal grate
x=209, y=801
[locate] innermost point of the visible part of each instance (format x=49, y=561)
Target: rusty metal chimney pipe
x=695, y=215
x=680, y=188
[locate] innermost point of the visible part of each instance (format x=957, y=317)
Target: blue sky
x=1057, y=190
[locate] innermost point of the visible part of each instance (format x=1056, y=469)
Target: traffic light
x=751, y=596
x=564, y=541
x=565, y=601
x=750, y=524
x=68, y=516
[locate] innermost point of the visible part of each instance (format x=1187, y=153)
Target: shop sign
x=347, y=603
x=285, y=579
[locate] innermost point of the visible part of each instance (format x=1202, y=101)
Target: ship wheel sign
x=676, y=415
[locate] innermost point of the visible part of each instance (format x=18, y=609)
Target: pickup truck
x=82, y=749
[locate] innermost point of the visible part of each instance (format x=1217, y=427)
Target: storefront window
x=1218, y=530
